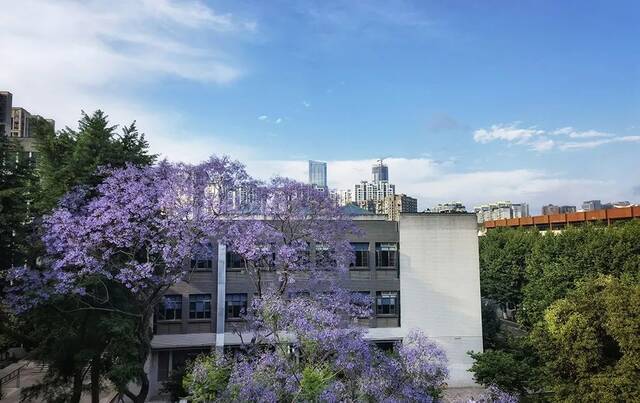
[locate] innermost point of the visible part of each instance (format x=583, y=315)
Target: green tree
x=503, y=257
x=62, y=333
x=558, y=261
x=71, y=157
x=590, y=341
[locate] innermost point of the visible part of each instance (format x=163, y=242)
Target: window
x=386, y=253
x=200, y=306
x=170, y=308
x=203, y=259
x=324, y=257
x=236, y=305
x=234, y=261
x=362, y=299
x=361, y=250
x=387, y=303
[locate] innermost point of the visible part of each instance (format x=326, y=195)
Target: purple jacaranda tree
x=137, y=230
x=301, y=340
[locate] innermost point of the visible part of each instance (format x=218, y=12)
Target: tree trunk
x=144, y=338
x=77, y=386
x=95, y=379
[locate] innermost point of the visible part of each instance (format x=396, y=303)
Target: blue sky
x=476, y=101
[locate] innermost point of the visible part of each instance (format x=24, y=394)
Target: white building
x=450, y=207
x=501, y=210
x=374, y=191
x=342, y=197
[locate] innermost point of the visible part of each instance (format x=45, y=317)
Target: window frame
x=380, y=249
x=381, y=296
x=354, y=265
x=229, y=258
x=177, y=312
x=196, y=258
x=193, y=312
x=230, y=308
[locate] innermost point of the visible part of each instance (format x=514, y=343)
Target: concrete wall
x=440, y=285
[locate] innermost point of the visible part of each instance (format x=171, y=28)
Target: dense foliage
x=579, y=312
x=61, y=332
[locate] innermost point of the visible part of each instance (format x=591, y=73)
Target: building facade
x=591, y=205
x=501, y=210
x=373, y=192
x=341, y=197
x=394, y=205
x=6, y=103
x=380, y=172
x=421, y=272
x=450, y=207
x=20, y=119
x=318, y=174
x=553, y=209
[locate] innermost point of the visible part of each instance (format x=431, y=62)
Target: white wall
x=440, y=285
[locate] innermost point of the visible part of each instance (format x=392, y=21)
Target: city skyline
x=417, y=84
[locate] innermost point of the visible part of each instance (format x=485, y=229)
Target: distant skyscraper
x=380, y=172
x=5, y=113
x=318, y=174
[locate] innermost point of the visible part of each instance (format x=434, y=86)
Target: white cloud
x=596, y=143
x=278, y=121
x=263, y=117
x=59, y=57
x=306, y=104
x=433, y=182
x=508, y=132
x=576, y=134
x=537, y=139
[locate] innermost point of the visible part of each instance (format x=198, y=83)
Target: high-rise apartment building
x=550, y=209
x=341, y=197
x=373, y=190
x=450, y=207
x=519, y=210
x=500, y=210
x=380, y=172
x=20, y=120
x=394, y=205
x=18, y=123
x=433, y=285
x=6, y=103
x=318, y=174
x=590, y=205
x=553, y=209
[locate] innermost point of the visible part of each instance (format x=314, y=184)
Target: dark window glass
x=200, y=306
x=170, y=308
x=203, y=259
x=234, y=261
x=387, y=303
x=361, y=251
x=386, y=254
x=236, y=305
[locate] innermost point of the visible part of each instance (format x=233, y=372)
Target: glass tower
x=318, y=174
x=380, y=172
